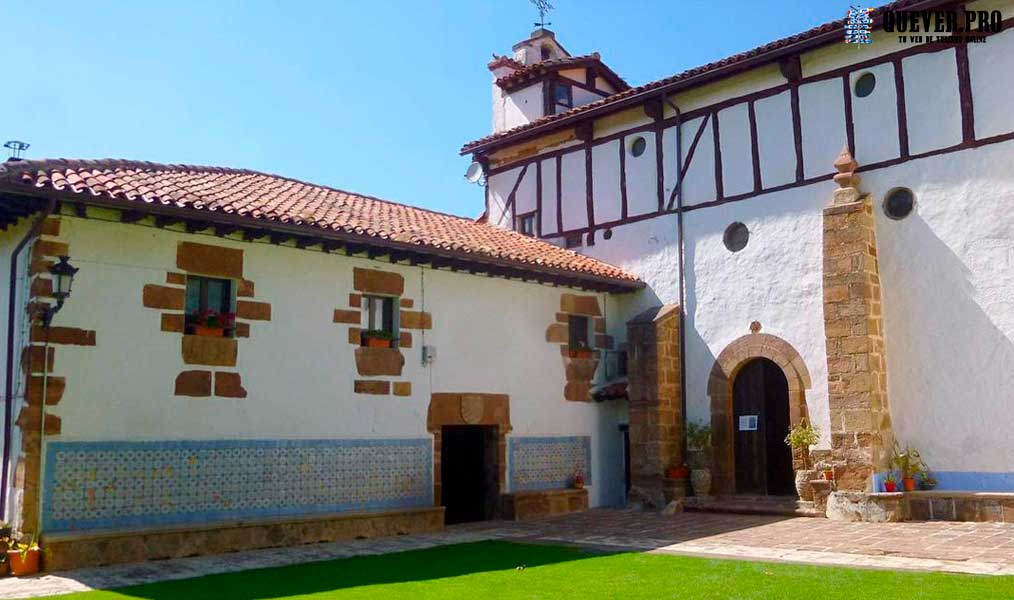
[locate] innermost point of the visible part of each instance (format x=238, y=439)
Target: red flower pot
x=890, y=486
x=378, y=342
x=908, y=483
x=203, y=331
x=829, y=474
x=677, y=472
x=24, y=564
x=580, y=353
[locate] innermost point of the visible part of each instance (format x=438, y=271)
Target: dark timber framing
x=792, y=86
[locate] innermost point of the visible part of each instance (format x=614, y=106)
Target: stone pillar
x=861, y=436
x=656, y=420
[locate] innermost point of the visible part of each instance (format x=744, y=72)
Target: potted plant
x=680, y=472
x=378, y=338
x=909, y=462
x=578, y=481
x=580, y=350
x=926, y=481
x=890, y=484
x=829, y=473
x=800, y=438
x=209, y=323
x=23, y=558
x=699, y=442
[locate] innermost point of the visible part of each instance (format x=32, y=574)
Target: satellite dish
x=475, y=174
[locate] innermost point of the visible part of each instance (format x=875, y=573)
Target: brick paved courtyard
x=984, y=548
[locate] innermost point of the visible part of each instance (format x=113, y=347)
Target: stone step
x=753, y=505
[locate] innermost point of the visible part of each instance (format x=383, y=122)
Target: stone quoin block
x=355, y=300
x=371, y=362
x=406, y=303
x=229, y=385
x=402, y=388
x=242, y=330
x=193, y=383
x=405, y=340
x=580, y=305
x=174, y=278
x=34, y=359
x=558, y=333
x=70, y=336
x=173, y=322
x=50, y=226
x=49, y=248
x=28, y=421
x=416, y=320
x=164, y=297
x=353, y=317
x=254, y=311
x=216, y=261
x=379, y=388
x=41, y=288
x=40, y=265
x=355, y=336
x=54, y=390
x=372, y=281
x=210, y=351
x=245, y=288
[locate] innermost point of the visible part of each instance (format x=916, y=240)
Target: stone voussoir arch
x=723, y=374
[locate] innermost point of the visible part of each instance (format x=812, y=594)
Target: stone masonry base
x=74, y=550
x=523, y=506
x=921, y=506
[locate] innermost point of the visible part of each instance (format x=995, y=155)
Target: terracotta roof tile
x=272, y=198
x=712, y=66
x=525, y=73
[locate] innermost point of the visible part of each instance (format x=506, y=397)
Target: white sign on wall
x=748, y=423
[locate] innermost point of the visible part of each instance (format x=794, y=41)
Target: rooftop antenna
x=16, y=149
x=543, y=6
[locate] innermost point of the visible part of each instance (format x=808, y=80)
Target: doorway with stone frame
x=724, y=423
x=477, y=421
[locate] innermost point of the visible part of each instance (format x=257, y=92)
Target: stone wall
x=656, y=431
x=861, y=436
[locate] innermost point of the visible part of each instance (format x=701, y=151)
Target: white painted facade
x=946, y=269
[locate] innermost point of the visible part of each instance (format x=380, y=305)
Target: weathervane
x=543, y=7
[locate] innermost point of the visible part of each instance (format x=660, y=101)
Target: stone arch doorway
x=760, y=407
x=728, y=365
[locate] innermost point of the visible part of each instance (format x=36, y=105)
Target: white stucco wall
x=298, y=368
x=932, y=102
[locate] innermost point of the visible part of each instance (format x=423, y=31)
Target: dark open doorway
x=468, y=472
x=760, y=397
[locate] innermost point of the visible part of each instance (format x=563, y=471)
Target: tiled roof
x=263, y=200
x=742, y=57
x=526, y=73
x=504, y=61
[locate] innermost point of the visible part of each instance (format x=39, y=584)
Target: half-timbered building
x=810, y=230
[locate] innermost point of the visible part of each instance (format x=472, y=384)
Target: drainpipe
x=682, y=279
x=11, y=318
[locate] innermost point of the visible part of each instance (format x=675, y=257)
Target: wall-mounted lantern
x=63, y=277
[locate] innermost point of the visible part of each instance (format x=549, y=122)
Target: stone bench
x=522, y=506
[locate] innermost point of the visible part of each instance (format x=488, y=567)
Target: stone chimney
x=522, y=104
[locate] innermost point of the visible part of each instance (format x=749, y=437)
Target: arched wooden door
x=760, y=399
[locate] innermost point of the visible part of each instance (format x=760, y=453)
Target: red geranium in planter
x=209, y=323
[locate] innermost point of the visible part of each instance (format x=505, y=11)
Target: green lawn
x=490, y=570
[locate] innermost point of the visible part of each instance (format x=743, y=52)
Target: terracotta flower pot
x=203, y=331
x=803, y=479
x=580, y=353
x=677, y=472
x=829, y=474
x=890, y=486
x=26, y=564
x=378, y=342
x=908, y=483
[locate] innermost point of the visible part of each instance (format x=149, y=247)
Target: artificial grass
x=493, y=570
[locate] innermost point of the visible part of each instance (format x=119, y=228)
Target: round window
x=638, y=146
x=865, y=84
x=736, y=236
x=899, y=203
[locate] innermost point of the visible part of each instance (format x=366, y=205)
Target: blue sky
x=372, y=97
